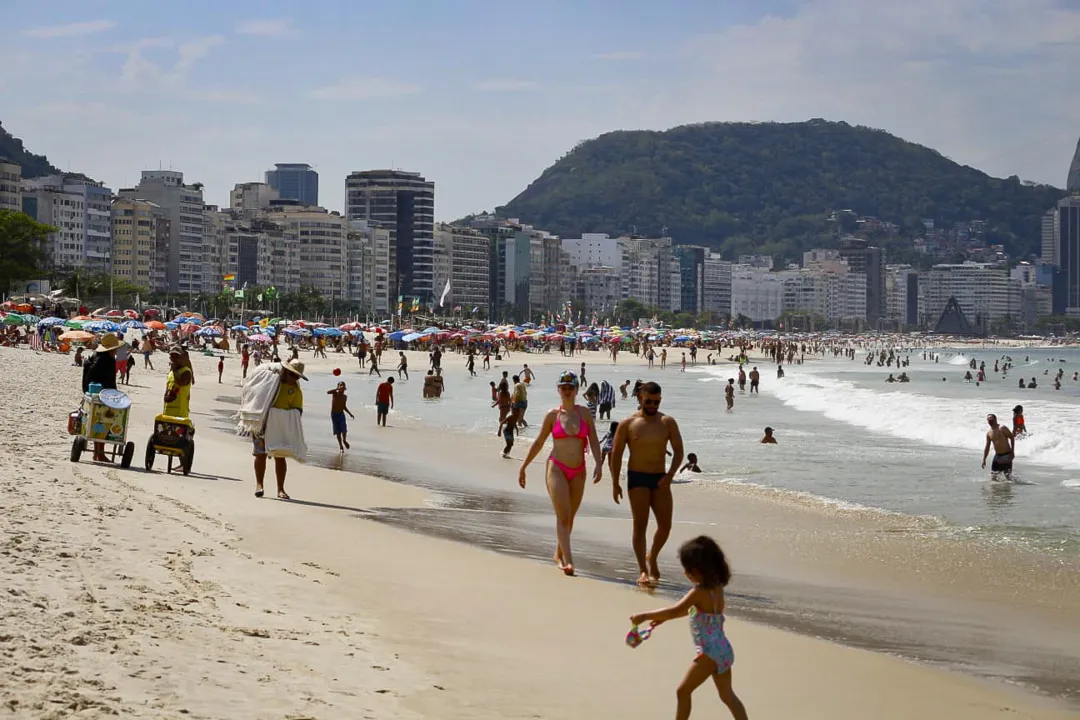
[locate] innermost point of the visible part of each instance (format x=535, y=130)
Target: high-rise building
x=183, y=206
x=1072, y=183
x=10, y=186
x=295, y=181
x=462, y=259
x=756, y=293
x=134, y=240
x=593, y=250
x=82, y=213
x=902, y=296
x=319, y=237
x=650, y=274
x=369, y=266
x=691, y=260
x=404, y=203
x=984, y=291
x=716, y=288
x=1066, y=292
x=867, y=260
x=1048, y=253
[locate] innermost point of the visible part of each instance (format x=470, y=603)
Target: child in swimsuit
x=705, y=565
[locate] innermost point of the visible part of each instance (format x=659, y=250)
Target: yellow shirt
x=178, y=406
x=289, y=397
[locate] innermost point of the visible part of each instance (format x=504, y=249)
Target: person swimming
x=769, y=439
x=691, y=464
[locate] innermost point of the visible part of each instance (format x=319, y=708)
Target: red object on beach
x=337, y=371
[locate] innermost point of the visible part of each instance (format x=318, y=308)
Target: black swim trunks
x=635, y=479
x=1002, y=463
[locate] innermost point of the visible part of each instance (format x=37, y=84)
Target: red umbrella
x=131, y=314
x=114, y=313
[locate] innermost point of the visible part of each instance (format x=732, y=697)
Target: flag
x=229, y=276
x=400, y=304
x=239, y=294
x=457, y=308
x=445, y=293
x=259, y=297
x=476, y=308
x=415, y=305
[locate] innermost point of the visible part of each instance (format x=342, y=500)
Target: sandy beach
x=147, y=595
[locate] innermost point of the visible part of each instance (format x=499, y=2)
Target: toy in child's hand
x=637, y=635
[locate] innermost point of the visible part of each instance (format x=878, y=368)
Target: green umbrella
x=76, y=324
x=14, y=319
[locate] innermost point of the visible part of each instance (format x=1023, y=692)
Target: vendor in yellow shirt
x=289, y=394
x=177, y=386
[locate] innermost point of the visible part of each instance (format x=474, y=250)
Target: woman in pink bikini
x=572, y=431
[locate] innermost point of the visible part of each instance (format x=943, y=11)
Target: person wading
x=647, y=433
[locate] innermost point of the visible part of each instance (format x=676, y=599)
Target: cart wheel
x=129, y=453
x=150, y=455
x=77, y=447
x=188, y=458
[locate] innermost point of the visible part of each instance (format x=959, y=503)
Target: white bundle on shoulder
x=256, y=398
x=284, y=436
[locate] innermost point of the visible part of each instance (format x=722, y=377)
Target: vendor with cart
x=178, y=385
x=101, y=369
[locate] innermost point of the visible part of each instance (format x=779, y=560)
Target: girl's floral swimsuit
x=710, y=640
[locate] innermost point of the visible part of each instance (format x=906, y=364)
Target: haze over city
x=481, y=96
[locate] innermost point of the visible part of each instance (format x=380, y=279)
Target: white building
x=984, y=291
x=593, y=250
x=251, y=197
x=649, y=271
x=462, y=259
x=369, y=266
x=1049, y=237
x=134, y=241
x=82, y=213
x=901, y=295
x=319, y=239
x=760, y=262
x=756, y=293
x=716, y=286
x=599, y=288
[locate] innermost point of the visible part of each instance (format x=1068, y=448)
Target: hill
x=770, y=187
x=33, y=166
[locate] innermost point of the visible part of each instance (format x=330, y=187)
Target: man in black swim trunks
x=647, y=433
x=1004, y=449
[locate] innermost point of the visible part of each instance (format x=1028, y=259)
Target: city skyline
x=223, y=95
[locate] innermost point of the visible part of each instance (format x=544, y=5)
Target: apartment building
x=650, y=273
x=295, y=181
x=462, y=259
x=10, y=186
x=183, y=205
x=82, y=213
x=369, y=266
x=985, y=292
x=252, y=197
x=318, y=239
x=716, y=287
x=756, y=293
x=135, y=235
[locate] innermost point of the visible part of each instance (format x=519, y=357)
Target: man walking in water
x=1004, y=443
x=647, y=433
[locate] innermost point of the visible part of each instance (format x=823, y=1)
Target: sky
x=481, y=96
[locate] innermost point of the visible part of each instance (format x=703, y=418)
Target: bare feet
x=568, y=570
x=258, y=491
x=282, y=495
x=654, y=571
x=347, y=445
x=643, y=579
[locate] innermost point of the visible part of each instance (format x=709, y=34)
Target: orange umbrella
x=82, y=317
x=77, y=336
x=155, y=325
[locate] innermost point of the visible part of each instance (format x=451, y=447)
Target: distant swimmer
x=647, y=434
x=768, y=439
x=729, y=393
x=755, y=379
x=1004, y=443
x=691, y=464
x=622, y=389
x=1019, y=428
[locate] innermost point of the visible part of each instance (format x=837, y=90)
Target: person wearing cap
x=101, y=369
x=573, y=432
x=177, y=386
x=768, y=439
x=289, y=398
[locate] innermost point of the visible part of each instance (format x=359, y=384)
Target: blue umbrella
x=171, y=325
x=99, y=326
x=133, y=325
x=395, y=336
x=209, y=332
x=240, y=328
x=50, y=321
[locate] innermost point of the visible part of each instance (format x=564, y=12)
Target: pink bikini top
x=559, y=433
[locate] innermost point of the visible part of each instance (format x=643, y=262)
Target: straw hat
x=295, y=367
x=109, y=343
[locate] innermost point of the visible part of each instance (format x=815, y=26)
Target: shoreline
x=439, y=615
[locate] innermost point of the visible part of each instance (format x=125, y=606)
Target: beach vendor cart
x=173, y=437
x=102, y=418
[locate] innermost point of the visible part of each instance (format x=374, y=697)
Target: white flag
x=445, y=294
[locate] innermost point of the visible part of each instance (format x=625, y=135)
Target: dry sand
x=153, y=596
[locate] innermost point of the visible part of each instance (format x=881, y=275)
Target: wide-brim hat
x=109, y=343
x=295, y=367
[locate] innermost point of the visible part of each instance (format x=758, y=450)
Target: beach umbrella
x=240, y=328
x=132, y=325
x=171, y=325
x=152, y=312
x=50, y=321
x=77, y=336
x=188, y=327
x=210, y=331
x=74, y=323
x=259, y=337
x=297, y=332
x=13, y=319
x=24, y=308
x=131, y=314
x=395, y=336
x=155, y=325
x=114, y=314
x=31, y=319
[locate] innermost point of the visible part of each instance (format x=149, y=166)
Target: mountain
x=769, y=187
x=1073, y=185
x=11, y=149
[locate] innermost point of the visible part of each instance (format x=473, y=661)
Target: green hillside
x=11, y=149
x=770, y=186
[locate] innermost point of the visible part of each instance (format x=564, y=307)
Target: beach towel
x=284, y=435
x=256, y=397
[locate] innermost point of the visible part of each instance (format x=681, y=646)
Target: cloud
x=140, y=72
x=77, y=29
x=364, y=88
x=280, y=27
x=620, y=55
x=242, y=97
x=504, y=85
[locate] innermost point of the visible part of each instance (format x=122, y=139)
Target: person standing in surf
x=647, y=434
x=573, y=431
x=1004, y=443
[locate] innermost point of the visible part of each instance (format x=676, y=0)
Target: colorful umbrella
x=77, y=336
x=155, y=325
